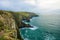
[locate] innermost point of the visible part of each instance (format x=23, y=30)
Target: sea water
x=45, y=27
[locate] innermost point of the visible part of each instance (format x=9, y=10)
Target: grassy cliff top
x=9, y=22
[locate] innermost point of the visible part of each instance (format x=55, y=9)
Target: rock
x=23, y=25
x=11, y=22
x=6, y=23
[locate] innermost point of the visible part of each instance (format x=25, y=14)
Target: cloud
x=44, y=5
x=17, y=5
x=31, y=5
x=5, y=3
x=48, y=4
x=32, y=2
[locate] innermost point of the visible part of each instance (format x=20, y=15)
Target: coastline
x=11, y=22
x=24, y=25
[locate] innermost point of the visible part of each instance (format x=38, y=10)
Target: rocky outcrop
x=23, y=25
x=11, y=22
x=7, y=26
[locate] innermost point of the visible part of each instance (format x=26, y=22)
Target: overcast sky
x=30, y=5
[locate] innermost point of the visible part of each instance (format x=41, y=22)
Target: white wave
x=34, y=28
x=23, y=28
x=49, y=37
x=26, y=39
x=25, y=22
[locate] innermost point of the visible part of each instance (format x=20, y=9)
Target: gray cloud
x=30, y=5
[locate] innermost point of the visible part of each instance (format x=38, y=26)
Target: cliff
x=7, y=26
x=10, y=22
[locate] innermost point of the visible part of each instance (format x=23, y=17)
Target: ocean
x=45, y=27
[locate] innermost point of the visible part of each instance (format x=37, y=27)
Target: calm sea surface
x=45, y=27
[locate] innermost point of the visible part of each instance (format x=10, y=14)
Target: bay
x=45, y=27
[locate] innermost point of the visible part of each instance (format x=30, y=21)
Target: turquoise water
x=45, y=27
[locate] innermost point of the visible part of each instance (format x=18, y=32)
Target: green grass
x=5, y=19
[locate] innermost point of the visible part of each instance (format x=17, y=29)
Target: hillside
x=10, y=22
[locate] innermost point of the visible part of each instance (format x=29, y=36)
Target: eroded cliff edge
x=11, y=22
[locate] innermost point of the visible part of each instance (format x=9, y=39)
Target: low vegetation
x=10, y=22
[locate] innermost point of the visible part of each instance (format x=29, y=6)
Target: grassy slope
x=9, y=21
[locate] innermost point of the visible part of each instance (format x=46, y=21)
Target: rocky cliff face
x=10, y=22
x=7, y=26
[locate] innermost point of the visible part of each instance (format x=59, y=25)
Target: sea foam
x=49, y=37
x=33, y=27
x=26, y=39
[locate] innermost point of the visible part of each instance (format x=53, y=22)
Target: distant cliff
x=10, y=22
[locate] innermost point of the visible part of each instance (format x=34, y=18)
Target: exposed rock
x=23, y=25
x=7, y=23
x=11, y=22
